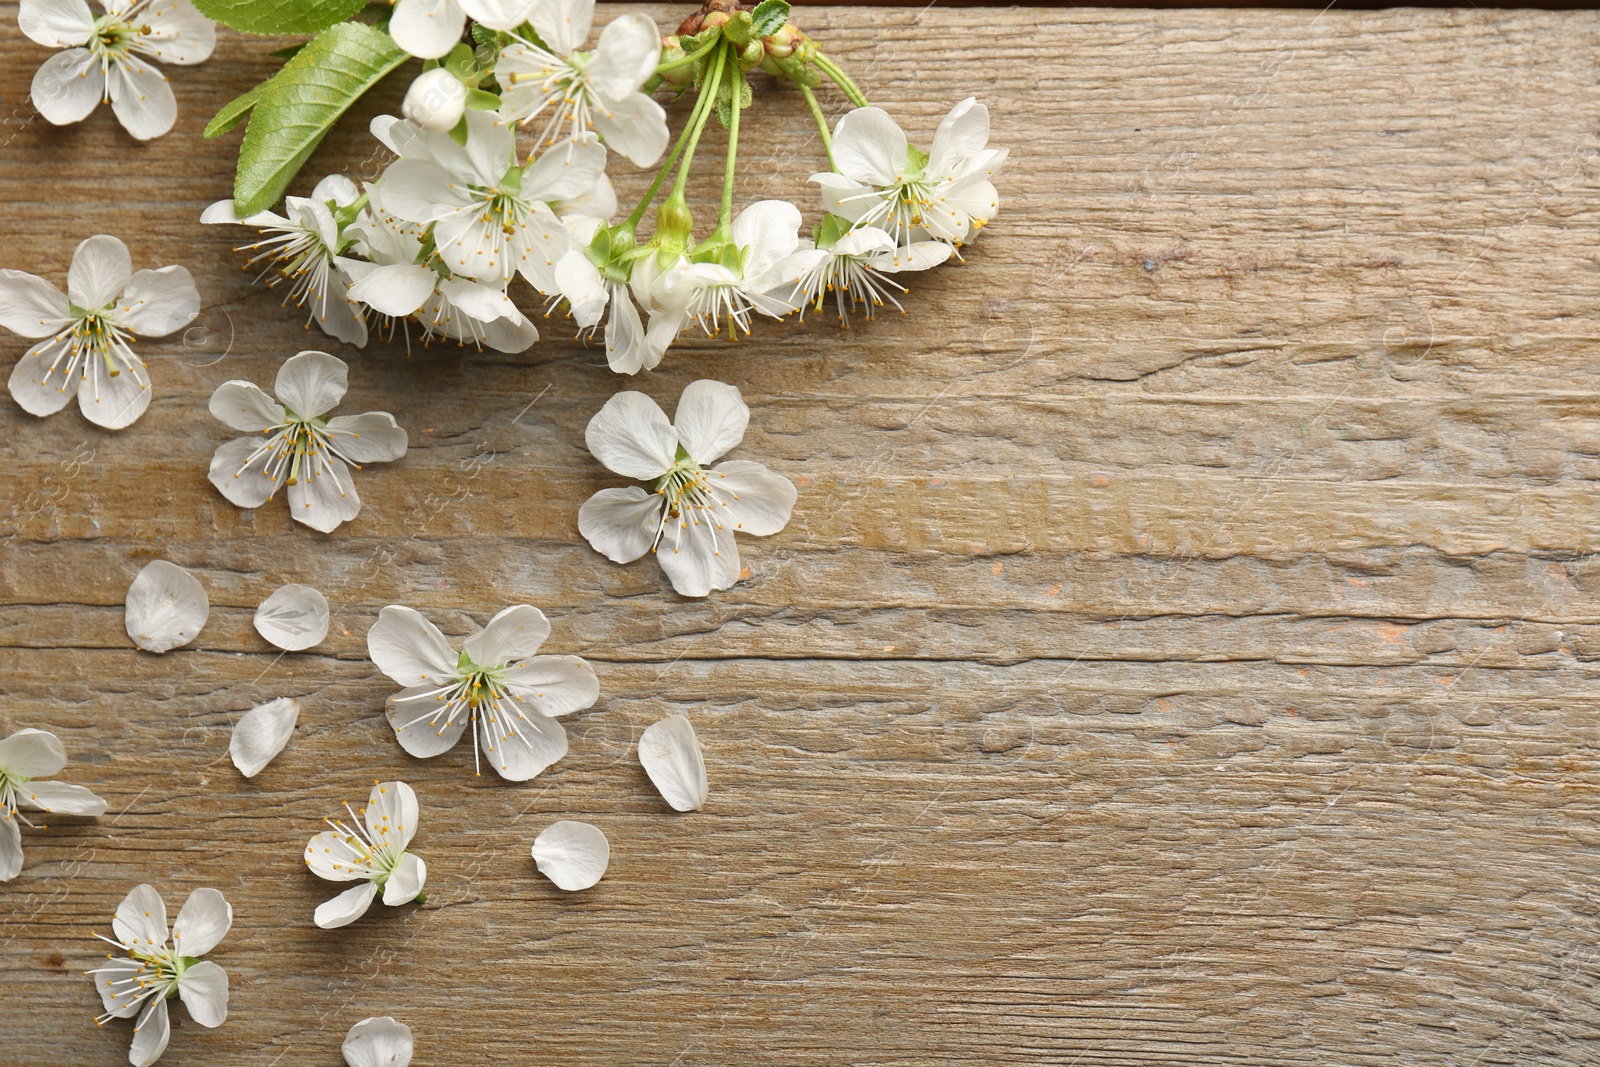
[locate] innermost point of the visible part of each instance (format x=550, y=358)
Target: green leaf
x=303, y=102
x=769, y=17
x=280, y=16
x=235, y=111
x=290, y=52
x=480, y=100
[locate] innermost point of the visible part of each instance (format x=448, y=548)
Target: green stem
x=637, y=217
x=687, y=58
x=837, y=75
x=709, y=93
x=822, y=123
x=733, y=149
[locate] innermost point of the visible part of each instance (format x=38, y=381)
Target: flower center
x=113, y=36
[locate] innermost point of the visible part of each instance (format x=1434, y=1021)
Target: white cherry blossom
x=428, y=29
x=370, y=850
x=107, y=58
x=575, y=92
x=856, y=271
x=140, y=983
x=295, y=443
x=944, y=195
x=301, y=248
x=592, y=295
x=27, y=757
x=495, y=685
x=87, y=351
x=771, y=264
x=690, y=515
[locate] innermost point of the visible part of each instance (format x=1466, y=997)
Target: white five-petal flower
x=296, y=444
x=577, y=92
x=592, y=295
x=945, y=195
x=772, y=264
x=108, y=58
x=26, y=757
x=370, y=850
x=152, y=972
x=302, y=248
x=87, y=352
x=509, y=696
x=379, y=1042
x=856, y=268
x=428, y=29
x=692, y=510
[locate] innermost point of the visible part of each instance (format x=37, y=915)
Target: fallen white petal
x=166, y=607
x=573, y=855
x=379, y=1042
x=671, y=756
x=261, y=733
x=294, y=618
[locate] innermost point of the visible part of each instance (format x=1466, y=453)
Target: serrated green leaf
x=303, y=102
x=289, y=52
x=769, y=17
x=280, y=16
x=235, y=111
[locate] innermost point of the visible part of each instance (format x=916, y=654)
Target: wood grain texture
x=1183, y=651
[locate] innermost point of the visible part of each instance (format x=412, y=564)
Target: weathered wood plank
x=1183, y=651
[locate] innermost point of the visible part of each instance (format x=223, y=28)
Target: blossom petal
x=31, y=387
x=554, y=685
x=628, y=348
x=405, y=881
x=10, y=848
x=845, y=197
x=631, y=435
x=60, y=798
x=697, y=557
x=563, y=25
x=325, y=497
x=371, y=437
x=711, y=418
x=68, y=86
x=158, y=302
x=174, y=32
x=768, y=230
x=573, y=855
x=397, y=289
x=33, y=754
x=56, y=23
x=114, y=981
x=421, y=191
x=428, y=29
x=392, y=814
x=621, y=524
x=670, y=754
x=347, y=907
x=379, y=1042
x=238, y=470
x=963, y=133
x=513, y=634
x=150, y=1034
x=634, y=126
x=758, y=501
x=101, y=269
x=204, y=920
x=417, y=715
x=340, y=317
x=564, y=172
x=410, y=649
x=294, y=618
x=141, y=98
x=204, y=991
x=261, y=733
x=244, y=406
x=498, y=14
x=583, y=287
x=141, y=919
x=519, y=745
x=166, y=607
x=918, y=255
x=625, y=56
x=312, y=383
x=511, y=335
x=115, y=402
x=869, y=146
x=329, y=856
x=30, y=306
x=336, y=188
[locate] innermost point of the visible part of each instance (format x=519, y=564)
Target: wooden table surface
x=1183, y=651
